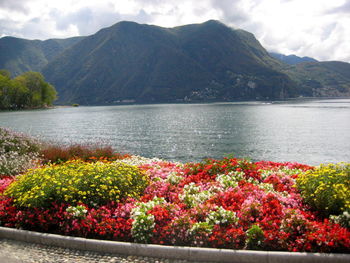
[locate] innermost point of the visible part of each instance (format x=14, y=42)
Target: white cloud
x=19, y=6
x=316, y=28
x=303, y=28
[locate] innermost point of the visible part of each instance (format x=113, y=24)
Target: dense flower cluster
x=87, y=152
x=327, y=188
x=229, y=203
x=18, y=152
x=77, y=182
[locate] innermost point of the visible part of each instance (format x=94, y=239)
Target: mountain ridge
x=20, y=55
x=198, y=62
x=292, y=59
x=155, y=64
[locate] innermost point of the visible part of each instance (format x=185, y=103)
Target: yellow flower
x=77, y=180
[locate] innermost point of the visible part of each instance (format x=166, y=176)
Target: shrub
x=62, y=153
x=221, y=217
x=255, y=237
x=143, y=224
x=327, y=188
x=12, y=141
x=193, y=195
x=78, y=211
x=17, y=152
x=343, y=219
x=77, y=182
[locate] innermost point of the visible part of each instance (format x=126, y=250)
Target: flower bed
x=229, y=203
x=18, y=152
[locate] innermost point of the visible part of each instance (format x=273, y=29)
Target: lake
x=306, y=131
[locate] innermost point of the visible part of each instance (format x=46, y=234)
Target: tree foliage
x=29, y=90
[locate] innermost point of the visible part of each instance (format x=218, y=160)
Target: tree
x=19, y=95
x=41, y=93
x=5, y=86
x=5, y=73
x=29, y=90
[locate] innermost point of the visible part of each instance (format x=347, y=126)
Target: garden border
x=170, y=252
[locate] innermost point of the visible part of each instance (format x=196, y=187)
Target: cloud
x=6, y=27
x=17, y=5
x=88, y=20
x=233, y=12
x=304, y=28
x=345, y=8
x=64, y=18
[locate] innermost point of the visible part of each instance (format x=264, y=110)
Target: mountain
x=317, y=79
x=291, y=59
x=145, y=63
x=130, y=62
x=321, y=79
x=20, y=55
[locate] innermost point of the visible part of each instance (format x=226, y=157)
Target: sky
x=314, y=28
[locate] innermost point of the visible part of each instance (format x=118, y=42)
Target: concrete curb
x=171, y=252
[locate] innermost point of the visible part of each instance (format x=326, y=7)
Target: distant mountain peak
x=292, y=59
x=126, y=24
x=214, y=22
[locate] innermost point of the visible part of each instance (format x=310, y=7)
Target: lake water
x=307, y=131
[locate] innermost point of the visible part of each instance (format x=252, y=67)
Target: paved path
x=21, y=252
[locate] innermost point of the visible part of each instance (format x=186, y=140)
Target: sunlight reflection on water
x=308, y=131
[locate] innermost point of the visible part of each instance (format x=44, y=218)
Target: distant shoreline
x=202, y=102
x=182, y=102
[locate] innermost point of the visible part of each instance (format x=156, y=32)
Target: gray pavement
x=21, y=252
x=51, y=248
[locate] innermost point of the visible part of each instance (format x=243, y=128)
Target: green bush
x=255, y=237
x=327, y=188
x=78, y=182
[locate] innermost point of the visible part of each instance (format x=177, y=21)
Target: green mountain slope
x=20, y=55
x=321, y=79
x=129, y=61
